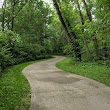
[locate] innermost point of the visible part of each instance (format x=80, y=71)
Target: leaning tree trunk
x=95, y=41
x=72, y=36
x=87, y=11
x=82, y=22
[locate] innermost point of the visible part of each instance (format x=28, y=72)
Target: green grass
x=94, y=71
x=14, y=89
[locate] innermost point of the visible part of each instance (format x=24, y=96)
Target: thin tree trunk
x=95, y=41
x=3, y=15
x=3, y=18
x=76, y=45
x=82, y=22
x=13, y=10
x=87, y=10
x=13, y=15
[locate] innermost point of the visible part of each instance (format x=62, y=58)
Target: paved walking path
x=54, y=89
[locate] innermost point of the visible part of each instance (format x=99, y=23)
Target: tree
x=71, y=34
x=83, y=22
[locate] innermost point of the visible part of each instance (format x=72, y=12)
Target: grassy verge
x=94, y=71
x=14, y=88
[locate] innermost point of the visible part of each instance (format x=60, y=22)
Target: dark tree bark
x=13, y=12
x=76, y=45
x=3, y=15
x=80, y=13
x=87, y=10
x=71, y=34
x=3, y=18
x=82, y=22
x=95, y=41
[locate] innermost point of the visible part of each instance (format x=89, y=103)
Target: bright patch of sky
x=1, y=2
x=48, y=1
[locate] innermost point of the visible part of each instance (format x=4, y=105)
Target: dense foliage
x=14, y=51
x=87, y=23
x=23, y=33
x=31, y=29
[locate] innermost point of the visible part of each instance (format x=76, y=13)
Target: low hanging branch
x=72, y=36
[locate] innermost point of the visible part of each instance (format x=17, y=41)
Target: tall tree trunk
x=3, y=18
x=95, y=41
x=82, y=22
x=12, y=16
x=87, y=10
x=3, y=15
x=76, y=45
x=73, y=39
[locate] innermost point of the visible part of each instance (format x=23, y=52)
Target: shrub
x=13, y=50
x=5, y=57
x=67, y=50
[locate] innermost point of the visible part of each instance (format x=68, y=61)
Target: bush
x=5, y=53
x=67, y=50
x=13, y=50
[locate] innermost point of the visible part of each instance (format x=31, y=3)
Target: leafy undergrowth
x=14, y=89
x=94, y=71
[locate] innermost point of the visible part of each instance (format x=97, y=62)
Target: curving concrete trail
x=54, y=89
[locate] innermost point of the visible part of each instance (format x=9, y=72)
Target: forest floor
x=55, y=89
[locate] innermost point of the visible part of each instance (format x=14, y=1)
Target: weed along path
x=54, y=89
